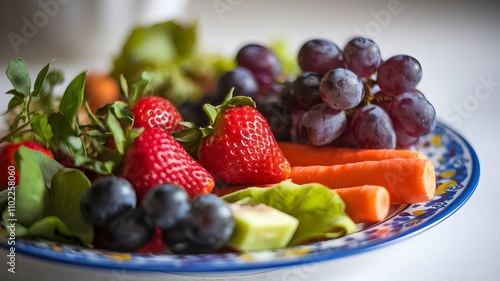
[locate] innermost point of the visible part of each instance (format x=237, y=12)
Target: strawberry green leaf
x=92, y=117
x=142, y=86
x=117, y=132
x=19, y=76
x=40, y=80
x=68, y=187
x=124, y=87
x=72, y=100
x=41, y=127
x=211, y=112
x=123, y=113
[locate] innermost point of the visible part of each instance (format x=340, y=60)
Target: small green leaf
x=54, y=229
x=122, y=111
x=62, y=130
x=19, y=76
x=14, y=102
x=73, y=97
x=142, y=87
x=40, y=80
x=102, y=168
x=93, y=118
x=118, y=134
x=75, y=144
x=31, y=195
x=124, y=87
x=41, y=127
x=68, y=188
x=211, y=111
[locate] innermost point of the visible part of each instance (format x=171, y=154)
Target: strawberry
x=155, y=157
x=7, y=160
x=155, y=246
x=239, y=147
x=156, y=112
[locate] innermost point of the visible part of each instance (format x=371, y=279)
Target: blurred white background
x=455, y=41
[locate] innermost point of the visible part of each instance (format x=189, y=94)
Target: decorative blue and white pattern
x=457, y=171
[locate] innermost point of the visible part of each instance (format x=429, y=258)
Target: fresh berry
x=155, y=158
x=7, y=160
x=241, y=148
x=156, y=112
x=129, y=232
x=155, y=245
x=261, y=62
x=166, y=205
x=239, y=78
x=107, y=198
x=206, y=228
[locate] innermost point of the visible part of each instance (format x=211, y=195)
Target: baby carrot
x=307, y=155
x=366, y=203
x=407, y=180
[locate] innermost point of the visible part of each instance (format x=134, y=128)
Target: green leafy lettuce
x=320, y=210
x=48, y=200
x=169, y=50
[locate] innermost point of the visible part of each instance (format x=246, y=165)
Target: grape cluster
x=349, y=98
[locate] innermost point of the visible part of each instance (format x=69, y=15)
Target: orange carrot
x=306, y=155
x=407, y=180
x=366, y=203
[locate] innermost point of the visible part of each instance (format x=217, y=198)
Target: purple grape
x=362, y=56
x=372, y=128
x=320, y=56
x=341, y=89
x=305, y=90
x=346, y=139
x=262, y=63
x=399, y=74
x=412, y=113
x=279, y=119
x=321, y=125
x=405, y=141
x=241, y=79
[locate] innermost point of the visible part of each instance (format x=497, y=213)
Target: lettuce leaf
x=320, y=210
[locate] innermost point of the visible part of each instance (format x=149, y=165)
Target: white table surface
x=457, y=45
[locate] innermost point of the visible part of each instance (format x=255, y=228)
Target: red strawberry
x=155, y=157
x=156, y=112
x=241, y=149
x=156, y=245
x=7, y=160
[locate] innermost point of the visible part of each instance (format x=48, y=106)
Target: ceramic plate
x=457, y=171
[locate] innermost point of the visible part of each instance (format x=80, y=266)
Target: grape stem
x=369, y=97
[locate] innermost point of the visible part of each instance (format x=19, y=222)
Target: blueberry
x=165, y=205
x=129, y=232
x=207, y=227
x=179, y=241
x=106, y=198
